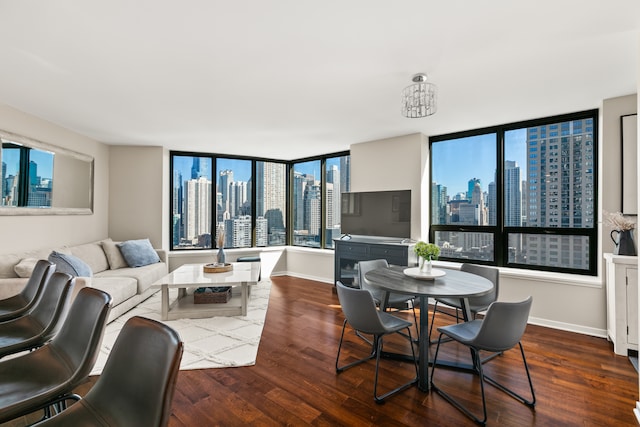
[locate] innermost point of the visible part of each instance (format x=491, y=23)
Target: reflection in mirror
x=38, y=178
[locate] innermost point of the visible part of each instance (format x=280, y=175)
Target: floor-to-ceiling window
x=519, y=195
x=306, y=208
x=255, y=202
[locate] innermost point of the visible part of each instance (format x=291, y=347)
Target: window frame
x=501, y=232
x=288, y=195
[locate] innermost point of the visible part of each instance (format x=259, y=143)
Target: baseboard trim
x=569, y=327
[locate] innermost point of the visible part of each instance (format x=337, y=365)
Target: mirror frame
x=33, y=143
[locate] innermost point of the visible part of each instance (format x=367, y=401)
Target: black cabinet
x=349, y=252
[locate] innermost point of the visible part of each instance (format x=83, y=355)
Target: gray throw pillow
x=70, y=264
x=138, y=253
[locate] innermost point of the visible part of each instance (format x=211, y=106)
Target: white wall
x=137, y=180
x=138, y=202
x=393, y=164
x=20, y=233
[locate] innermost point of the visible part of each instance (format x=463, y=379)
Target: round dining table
x=451, y=284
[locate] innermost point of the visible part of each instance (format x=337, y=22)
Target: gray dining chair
x=477, y=304
x=500, y=330
x=361, y=314
x=396, y=301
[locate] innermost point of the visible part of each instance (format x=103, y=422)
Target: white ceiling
x=288, y=79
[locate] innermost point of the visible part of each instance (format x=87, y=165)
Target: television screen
x=376, y=213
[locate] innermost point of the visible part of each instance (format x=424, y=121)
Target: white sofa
x=127, y=286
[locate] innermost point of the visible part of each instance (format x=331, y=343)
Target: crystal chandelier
x=419, y=99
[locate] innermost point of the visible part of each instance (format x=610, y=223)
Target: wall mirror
x=629, y=133
x=43, y=179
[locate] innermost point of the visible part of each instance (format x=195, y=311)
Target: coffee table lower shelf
x=184, y=307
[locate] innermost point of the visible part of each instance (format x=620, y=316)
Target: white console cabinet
x=622, y=302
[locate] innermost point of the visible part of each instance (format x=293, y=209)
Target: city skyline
x=241, y=167
x=199, y=192
x=41, y=158
x=450, y=154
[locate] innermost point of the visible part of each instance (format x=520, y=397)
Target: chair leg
x=531, y=403
x=347, y=366
x=433, y=318
x=478, y=364
x=453, y=401
x=380, y=399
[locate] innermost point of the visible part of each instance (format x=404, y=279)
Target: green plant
x=428, y=251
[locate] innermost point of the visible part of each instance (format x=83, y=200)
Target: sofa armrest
x=79, y=283
x=162, y=254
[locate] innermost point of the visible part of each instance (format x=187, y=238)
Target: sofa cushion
x=7, y=265
x=120, y=288
x=144, y=276
x=138, y=253
x=114, y=256
x=70, y=264
x=92, y=254
x=25, y=267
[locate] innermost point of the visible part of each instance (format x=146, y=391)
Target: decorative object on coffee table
x=217, y=268
x=212, y=295
x=220, y=241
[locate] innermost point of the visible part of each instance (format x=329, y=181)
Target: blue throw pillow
x=70, y=264
x=138, y=253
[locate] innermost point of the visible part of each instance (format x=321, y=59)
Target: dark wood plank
x=578, y=379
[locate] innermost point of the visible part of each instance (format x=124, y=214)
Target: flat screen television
x=376, y=213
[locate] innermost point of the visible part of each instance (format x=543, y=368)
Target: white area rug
x=216, y=342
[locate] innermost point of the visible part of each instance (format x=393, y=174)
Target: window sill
x=540, y=276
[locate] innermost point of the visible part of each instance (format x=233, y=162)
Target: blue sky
x=463, y=159
x=242, y=168
x=42, y=158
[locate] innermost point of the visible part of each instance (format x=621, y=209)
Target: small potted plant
x=426, y=252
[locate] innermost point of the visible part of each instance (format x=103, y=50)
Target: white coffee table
x=190, y=276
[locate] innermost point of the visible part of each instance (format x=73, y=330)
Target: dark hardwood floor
x=578, y=379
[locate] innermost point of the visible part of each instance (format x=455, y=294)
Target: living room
x=131, y=197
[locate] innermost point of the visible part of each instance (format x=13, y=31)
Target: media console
x=349, y=252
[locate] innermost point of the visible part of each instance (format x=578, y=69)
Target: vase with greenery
x=426, y=253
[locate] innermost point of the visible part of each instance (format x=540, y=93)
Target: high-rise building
x=560, y=192
x=471, y=185
x=512, y=194
x=271, y=194
x=178, y=208
x=240, y=231
x=197, y=199
x=345, y=174
x=312, y=215
x=333, y=191
x=224, y=181
x=262, y=236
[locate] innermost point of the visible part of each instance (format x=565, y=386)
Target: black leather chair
x=138, y=381
x=49, y=374
x=42, y=321
x=17, y=305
